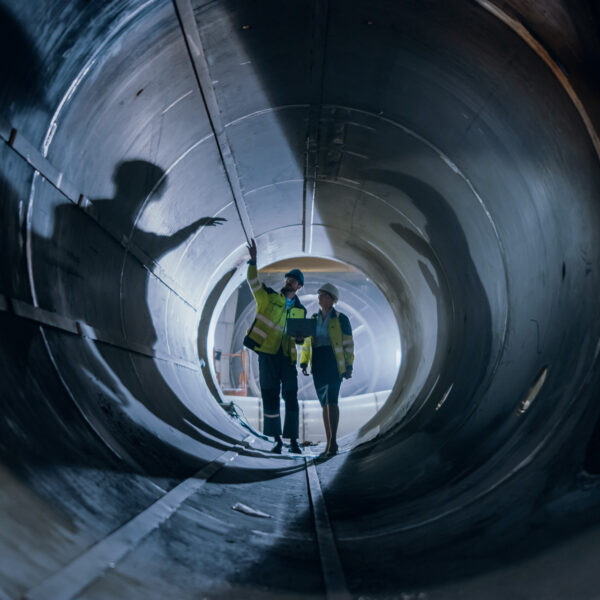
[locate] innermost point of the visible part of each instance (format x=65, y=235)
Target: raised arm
x=252, y=251
x=256, y=287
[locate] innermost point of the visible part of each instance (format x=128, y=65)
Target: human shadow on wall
x=462, y=360
x=138, y=184
x=13, y=267
x=138, y=181
x=83, y=273
x=448, y=269
x=39, y=423
x=447, y=250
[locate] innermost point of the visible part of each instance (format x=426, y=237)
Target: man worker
x=277, y=355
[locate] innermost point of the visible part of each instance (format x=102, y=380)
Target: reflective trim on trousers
x=272, y=426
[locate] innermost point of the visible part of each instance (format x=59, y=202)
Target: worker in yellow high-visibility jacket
x=277, y=355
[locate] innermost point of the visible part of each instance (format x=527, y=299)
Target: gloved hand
x=252, y=250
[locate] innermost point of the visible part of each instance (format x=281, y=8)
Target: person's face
x=291, y=285
x=325, y=300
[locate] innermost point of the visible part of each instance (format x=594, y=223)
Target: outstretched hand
x=211, y=221
x=348, y=373
x=252, y=249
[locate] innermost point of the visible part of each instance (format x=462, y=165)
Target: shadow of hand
x=210, y=221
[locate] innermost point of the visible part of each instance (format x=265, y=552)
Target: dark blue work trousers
x=277, y=372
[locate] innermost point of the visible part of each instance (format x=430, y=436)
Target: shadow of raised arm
x=163, y=243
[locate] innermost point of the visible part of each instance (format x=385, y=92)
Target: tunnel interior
x=377, y=343
x=447, y=151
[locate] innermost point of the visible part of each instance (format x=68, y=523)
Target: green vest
x=342, y=342
x=266, y=334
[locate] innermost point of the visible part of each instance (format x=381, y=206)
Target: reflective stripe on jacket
x=342, y=342
x=266, y=334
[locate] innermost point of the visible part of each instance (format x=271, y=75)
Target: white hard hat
x=331, y=290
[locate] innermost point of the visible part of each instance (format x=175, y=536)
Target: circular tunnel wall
x=428, y=145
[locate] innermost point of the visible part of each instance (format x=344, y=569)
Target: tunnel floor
x=232, y=533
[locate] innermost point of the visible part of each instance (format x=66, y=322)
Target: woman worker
x=331, y=354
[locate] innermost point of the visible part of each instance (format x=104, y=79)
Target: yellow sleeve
x=305, y=355
x=256, y=287
x=348, y=346
x=347, y=340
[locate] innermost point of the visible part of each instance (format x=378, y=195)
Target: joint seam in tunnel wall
x=528, y=38
x=25, y=150
x=51, y=319
x=193, y=43
x=319, y=26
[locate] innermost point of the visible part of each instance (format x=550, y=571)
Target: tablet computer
x=300, y=328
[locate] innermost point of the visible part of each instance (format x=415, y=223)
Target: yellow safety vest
x=266, y=334
x=342, y=342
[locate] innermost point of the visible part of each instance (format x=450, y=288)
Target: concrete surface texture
x=447, y=150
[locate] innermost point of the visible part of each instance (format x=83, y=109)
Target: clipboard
x=300, y=328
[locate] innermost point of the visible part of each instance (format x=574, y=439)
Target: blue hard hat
x=297, y=275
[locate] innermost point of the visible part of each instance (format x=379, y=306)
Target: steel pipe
x=446, y=149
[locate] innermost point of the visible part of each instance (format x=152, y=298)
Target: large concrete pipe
x=446, y=150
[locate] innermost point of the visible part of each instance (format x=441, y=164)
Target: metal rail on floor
x=85, y=569
x=331, y=566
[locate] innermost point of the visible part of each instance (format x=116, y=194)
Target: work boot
x=276, y=449
x=294, y=447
